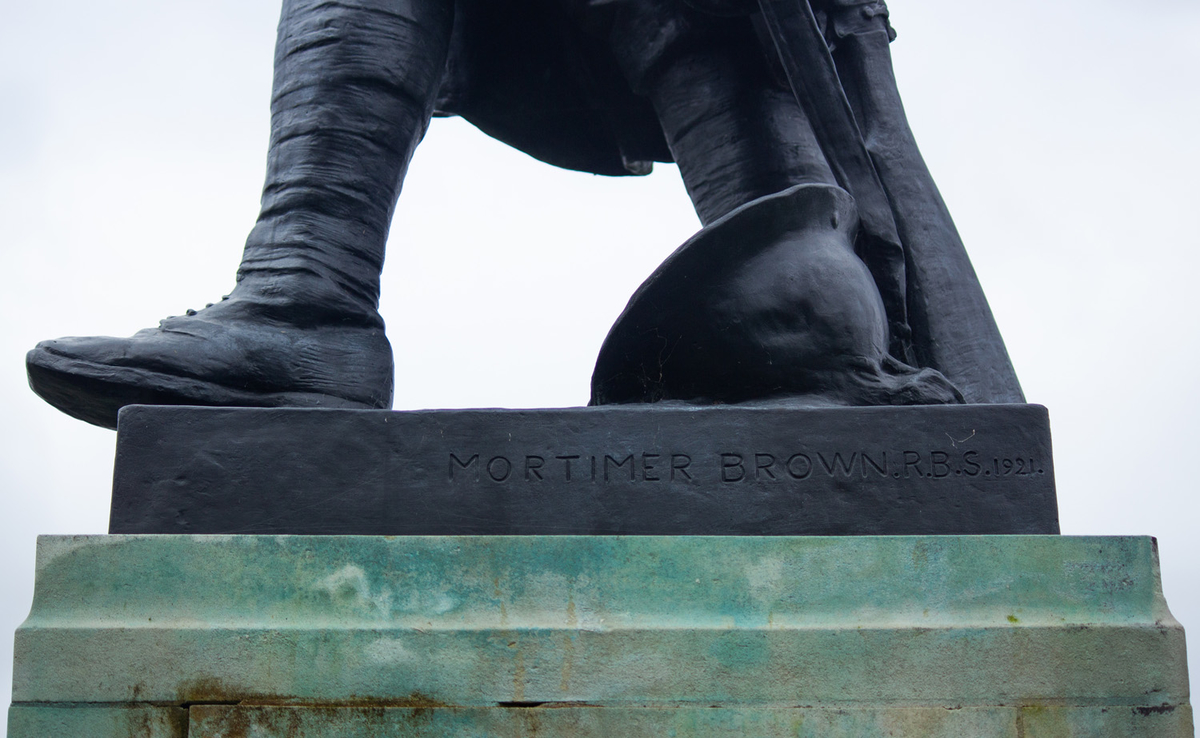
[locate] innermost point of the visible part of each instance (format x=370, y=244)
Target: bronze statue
x=827, y=272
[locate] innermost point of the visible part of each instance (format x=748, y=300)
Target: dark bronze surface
x=862, y=295
x=668, y=470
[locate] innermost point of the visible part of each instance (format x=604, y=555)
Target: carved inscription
x=737, y=467
x=643, y=467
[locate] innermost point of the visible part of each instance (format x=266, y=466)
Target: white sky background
x=1062, y=133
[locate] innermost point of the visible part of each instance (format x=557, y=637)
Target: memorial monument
x=807, y=499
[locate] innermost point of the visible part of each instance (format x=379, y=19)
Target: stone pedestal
x=309, y=636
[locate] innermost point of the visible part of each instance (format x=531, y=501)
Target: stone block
x=96, y=721
x=838, y=637
x=227, y=721
x=480, y=621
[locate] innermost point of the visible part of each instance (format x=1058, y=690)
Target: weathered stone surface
x=605, y=621
x=221, y=721
x=983, y=469
x=1107, y=721
x=93, y=721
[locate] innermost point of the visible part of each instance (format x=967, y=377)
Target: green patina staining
x=739, y=650
x=936, y=580
x=107, y=721
x=1031, y=636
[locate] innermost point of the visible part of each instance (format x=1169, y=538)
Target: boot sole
x=95, y=393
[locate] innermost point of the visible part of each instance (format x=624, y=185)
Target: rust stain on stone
x=519, y=676
x=289, y=720
x=210, y=690
x=416, y=699
x=237, y=724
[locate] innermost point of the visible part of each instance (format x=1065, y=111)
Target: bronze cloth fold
x=539, y=75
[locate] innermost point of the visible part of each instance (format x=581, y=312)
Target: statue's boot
x=355, y=83
x=228, y=354
x=769, y=303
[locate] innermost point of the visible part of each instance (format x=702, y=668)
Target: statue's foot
x=230, y=354
x=770, y=303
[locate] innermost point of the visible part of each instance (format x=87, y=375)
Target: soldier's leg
x=355, y=83
x=730, y=120
x=770, y=300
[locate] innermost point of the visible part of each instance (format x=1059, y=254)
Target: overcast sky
x=1061, y=132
